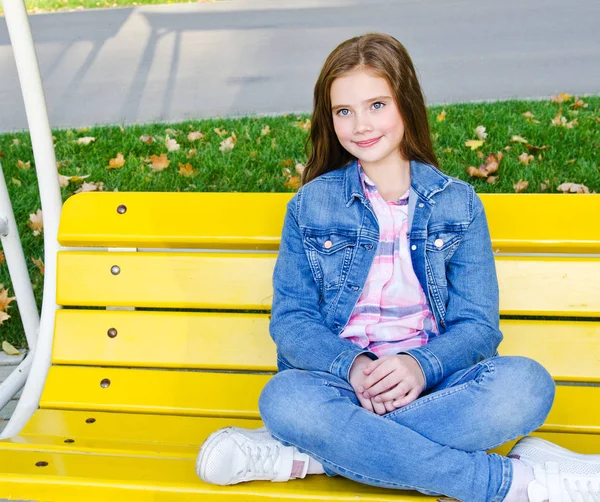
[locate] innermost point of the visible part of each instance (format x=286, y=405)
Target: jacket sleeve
x=297, y=325
x=472, y=314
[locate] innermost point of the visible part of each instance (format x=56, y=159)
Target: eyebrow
x=370, y=100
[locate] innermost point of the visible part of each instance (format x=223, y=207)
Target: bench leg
x=435, y=445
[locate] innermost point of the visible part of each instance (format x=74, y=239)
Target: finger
x=372, y=365
x=389, y=406
x=386, y=384
x=409, y=398
x=378, y=373
x=397, y=392
x=379, y=408
x=365, y=403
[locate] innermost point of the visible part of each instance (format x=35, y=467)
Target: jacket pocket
x=439, y=248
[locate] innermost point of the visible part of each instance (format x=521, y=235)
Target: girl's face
x=366, y=118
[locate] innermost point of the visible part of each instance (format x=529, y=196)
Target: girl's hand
x=392, y=379
x=358, y=380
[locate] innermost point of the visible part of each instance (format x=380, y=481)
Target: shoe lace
x=260, y=459
x=586, y=494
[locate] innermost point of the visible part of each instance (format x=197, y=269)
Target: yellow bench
x=131, y=394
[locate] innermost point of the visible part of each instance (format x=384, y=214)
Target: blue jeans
x=435, y=445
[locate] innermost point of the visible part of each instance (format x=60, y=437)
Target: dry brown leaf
x=186, y=170
x=533, y=148
x=219, y=131
x=492, y=179
x=16, y=142
x=63, y=181
x=170, y=130
x=293, y=182
x=480, y=154
x=544, y=186
x=91, y=187
x=86, y=140
x=23, y=165
x=2, y=259
x=4, y=298
x=572, y=188
x=191, y=153
x=441, y=116
x=521, y=186
x=15, y=181
x=265, y=130
x=228, y=143
x=477, y=172
x=299, y=168
x=286, y=163
x=525, y=158
x=518, y=139
x=561, y=98
x=303, y=124
x=9, y=349
x=273, y=143
x=159, y=162
x=579, y=104
x=447, y=150
x=39, y=264
x=171, y=144
x=147, y=139
x=529, y=118
x=253, y=154
x=474, y=144
x=117, y=162
x=480, y=132
x=195, y=135
x=3, y=317
x=36, y=222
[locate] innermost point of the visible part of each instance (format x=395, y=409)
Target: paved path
x=174, y=62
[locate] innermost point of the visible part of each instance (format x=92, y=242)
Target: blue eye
x=378, y=105
x=343, y=112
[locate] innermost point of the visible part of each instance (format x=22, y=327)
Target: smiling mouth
x=367, y=143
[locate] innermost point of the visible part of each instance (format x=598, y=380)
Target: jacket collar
x=425, y=181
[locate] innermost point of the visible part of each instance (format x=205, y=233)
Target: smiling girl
x=385, y=315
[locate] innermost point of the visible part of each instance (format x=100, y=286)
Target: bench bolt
x=122, y=209
x=115, y=270
x=112, y=332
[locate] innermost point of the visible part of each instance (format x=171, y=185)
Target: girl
x=385, y=316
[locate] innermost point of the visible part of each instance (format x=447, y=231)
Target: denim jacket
x=329, y=240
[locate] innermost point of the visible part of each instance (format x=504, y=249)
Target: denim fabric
x=328, y=244
x=435, y=445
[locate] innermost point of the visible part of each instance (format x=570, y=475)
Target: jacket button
x=438, y=243
x=328, y=244
x=421, y=204
x=354, y=288
x=413, y=247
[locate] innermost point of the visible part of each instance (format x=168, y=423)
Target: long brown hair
x=387, y=58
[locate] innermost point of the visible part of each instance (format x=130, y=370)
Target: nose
x=362, y=123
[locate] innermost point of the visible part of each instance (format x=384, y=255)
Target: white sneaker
x=234, y=455
x=560, y=474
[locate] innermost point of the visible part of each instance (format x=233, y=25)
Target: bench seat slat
x=194, y=393
x=139, y=478
x=554, y=286
x=531, y=223
x=241, y=341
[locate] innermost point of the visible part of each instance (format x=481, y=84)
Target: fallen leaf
x=518, y=139
x=299, y=168
x=303, y=124
x=480, y=154
x=572, y=188
x=2, y=259
x=191, y=153
x=561, y=98
x=273, y=142
x=219, y=131
x=63, y=181
x=293, y=183
x=23, y=165
x=543, y=187
x=195, y=135
x=39, y=264
x=9, y=349
x=474, y=144
x=4, y=298
x=528, y=115
x=253, y=154
x=286, y=163
x=533, y=148
x=480, y=132
x=3, y=317
x=186, y=170
x=159, y=162
x=16, y=142
x=525, y=158
x=265, y=130
x=492, y=179
x=286, y=172
x=570, y=125
x=122, y=129
x=579, y=104
x=86, y=140
x=147, y=139
x=35, y=222
x=91, y=187
x=441, y=116
x=521, y=186
x=117, y=162
x=228, y=143
x=83, y=129
x=529, y=118
x=171, y=144
x=15, y=181
x=477, y=172
x=170, y=130
x=447, y=150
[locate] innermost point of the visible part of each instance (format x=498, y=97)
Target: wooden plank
x=190, y=393
x=242, y=342
x=528, y=286
x=518, y=222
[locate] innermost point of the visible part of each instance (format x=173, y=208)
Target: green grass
x=36, y=6
x=256, y=164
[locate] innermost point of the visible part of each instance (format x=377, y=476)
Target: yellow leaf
x=228, y=143
x=521, y=186
x=195, y=135
x=17, y=182
x=525, y=159
x=579, y=104
x=286, y=163
x=474, y=144
x=447, y=150
x=171, y=144
x=518, y=139
x=3, y=317
x=191, y=153
x=146, y=139
x=117, y=162
x=23, y=165
x=561, y=98
x=273, y=142
x=39, y=264
x=186, y=170
x=303, y=124
x=86, y=141
x=9, y=349
x=441, y=116
x=4, y=298
x=2, y=259
x=528, y=115
x=159, y=162
x=265, y=130
x=35, y=222
x=299, y=168
x=293, y=183
x=219, y=131
x=171, y=131
x=83, y=129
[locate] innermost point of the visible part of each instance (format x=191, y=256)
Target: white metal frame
x=45, y=162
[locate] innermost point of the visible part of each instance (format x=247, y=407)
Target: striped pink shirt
x=392, y=311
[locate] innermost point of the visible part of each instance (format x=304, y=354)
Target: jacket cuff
x=430, y=365
x=343, y=362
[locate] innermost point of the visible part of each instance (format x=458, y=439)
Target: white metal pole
x=45, y=162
